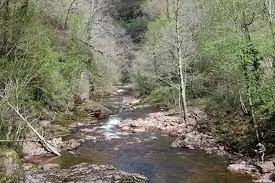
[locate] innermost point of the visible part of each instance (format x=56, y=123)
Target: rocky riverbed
x=192, y=135
x=79, y=173
x=189, y=136
x=187, y=133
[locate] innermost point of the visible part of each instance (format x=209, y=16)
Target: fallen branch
x=68, y=134
x=27, y=140
x=47, y=145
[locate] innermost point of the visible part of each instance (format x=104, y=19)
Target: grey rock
x=34, y=179
x=267, y=166
x=33, y=149
x=266, y=178
x=243, y=168
x=49, y=167
x=84, y=173
x=99, y=181
x=70, y=144
x=177, y=143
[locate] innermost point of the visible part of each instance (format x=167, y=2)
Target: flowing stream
x=147, y=153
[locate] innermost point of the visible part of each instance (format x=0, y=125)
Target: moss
x=10, y=166
x=66, y=119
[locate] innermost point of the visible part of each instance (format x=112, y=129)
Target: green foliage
x=36, y=70
x=242, y=54
x=231, y=67
x=163, y=96
x=154, y=27
x=143, y=84
x=132, y=25
x=133, y=20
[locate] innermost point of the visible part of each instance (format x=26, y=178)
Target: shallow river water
x=149, y=154
x=146, y=153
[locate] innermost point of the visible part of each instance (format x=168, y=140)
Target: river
x=146, y=153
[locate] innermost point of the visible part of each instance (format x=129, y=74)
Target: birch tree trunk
x=182, y=65
x=246, y=71
x=44, y=142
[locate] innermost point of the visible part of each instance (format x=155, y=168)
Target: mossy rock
x=94, y=109
x=11, y=168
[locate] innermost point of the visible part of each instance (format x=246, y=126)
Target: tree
x=238, y=41
x=171, y=44
x=42, y=62
x=182, y=65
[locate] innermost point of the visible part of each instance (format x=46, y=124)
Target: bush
x=163, y=96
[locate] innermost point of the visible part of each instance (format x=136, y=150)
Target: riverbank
x=187, y=133
x=38, y=166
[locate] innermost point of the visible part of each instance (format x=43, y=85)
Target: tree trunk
x=180, y=105
x=68, y=14
x=268, y=11
x=182, y=83
x=182, y=66
x=245, y=111
x=6, y=15
x=253, y=116
x=167, y=9
x=245, y=67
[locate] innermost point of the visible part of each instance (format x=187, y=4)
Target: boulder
x=95, y=109
x=33, y=149
x=125, y=128
x=266, y=178
x=79, y=124
x=29, y=178
x=56, y=142
x=189, y=129
x=84, y=173
x=177, y=143
x=88, y=137
x=173, y=133
x=36, y=149
x=138, y=130
x=120, y=125
x=70, y=144
x=180, y=130
x=267, y=166
x=11, y=168
x=135, y=124
x=50, y=166
x=243, y=168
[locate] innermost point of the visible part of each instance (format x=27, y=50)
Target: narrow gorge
x=161, y=91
